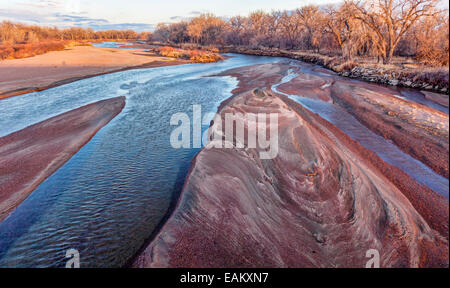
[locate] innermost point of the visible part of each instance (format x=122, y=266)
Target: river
x=109, y=197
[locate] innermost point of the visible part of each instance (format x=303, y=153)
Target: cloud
x=197, y=12
x=63, y=20
x=79, y=19
x=176, y=18
x=20, y=15
x=43, y=4
x=138, y=27
x=189, y=16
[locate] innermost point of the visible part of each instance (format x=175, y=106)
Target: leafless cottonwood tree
x=382, y=28
x=291, y=28
x=311, y=20
x=341, y=24
x=391, y=19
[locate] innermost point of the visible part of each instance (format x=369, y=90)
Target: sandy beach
x=29, y=156
x=19, y=76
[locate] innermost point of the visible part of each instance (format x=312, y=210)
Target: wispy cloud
x=79, y=19
x=189, y=16
x=197, y=12
x=138, y=27
x=21, y=15
x=60, y=13
x=43, y=4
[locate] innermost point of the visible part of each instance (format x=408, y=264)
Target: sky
x=140, y=15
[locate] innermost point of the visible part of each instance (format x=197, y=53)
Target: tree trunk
x=387, y=59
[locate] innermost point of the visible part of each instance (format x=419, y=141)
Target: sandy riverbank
x=19, y=76
x=418, y=130
x=29, y=156
x=322, y=202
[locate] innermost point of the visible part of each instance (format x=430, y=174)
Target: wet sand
x=20, y=76
x=418, y=130
x=29, y=156
x=441, y=99
x=322, y=202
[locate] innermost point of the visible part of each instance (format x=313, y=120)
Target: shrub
x=346, y=66
x=196, y=56
x=17, y=51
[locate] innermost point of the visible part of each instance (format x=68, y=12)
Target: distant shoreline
x=52, y=69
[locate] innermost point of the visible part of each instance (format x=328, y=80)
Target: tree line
x=375, y=28
x=18, y=33
x=20, y=40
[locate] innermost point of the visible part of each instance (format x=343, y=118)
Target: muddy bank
x=29, y=156
x=441, y=99
x=250, y=77
x=418, y=130
x=322, y=202
x=434, y=208
x=20, y=76
x=317, y=204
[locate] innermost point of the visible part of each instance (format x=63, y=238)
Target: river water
x=108, y=198
x=387, y=151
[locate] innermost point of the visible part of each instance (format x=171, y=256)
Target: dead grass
x=17, y=51
x=346, y=66
x=195, y=55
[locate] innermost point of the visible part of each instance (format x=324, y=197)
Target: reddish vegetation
x=19, y=40
x=29, y=156
x=322, y=202
x=196, y=56
x=30, y=49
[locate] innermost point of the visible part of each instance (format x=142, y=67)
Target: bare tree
x=341, y=24
x=380, y=28
x=391, y=19
x=291, y=27
x=432, y=38
x=312, y=21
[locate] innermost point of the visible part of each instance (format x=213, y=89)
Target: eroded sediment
x=418, y=130
x=29, y=156
x=319, y=203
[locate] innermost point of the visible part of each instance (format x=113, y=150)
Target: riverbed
x=106, y=199
x=109, y=197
